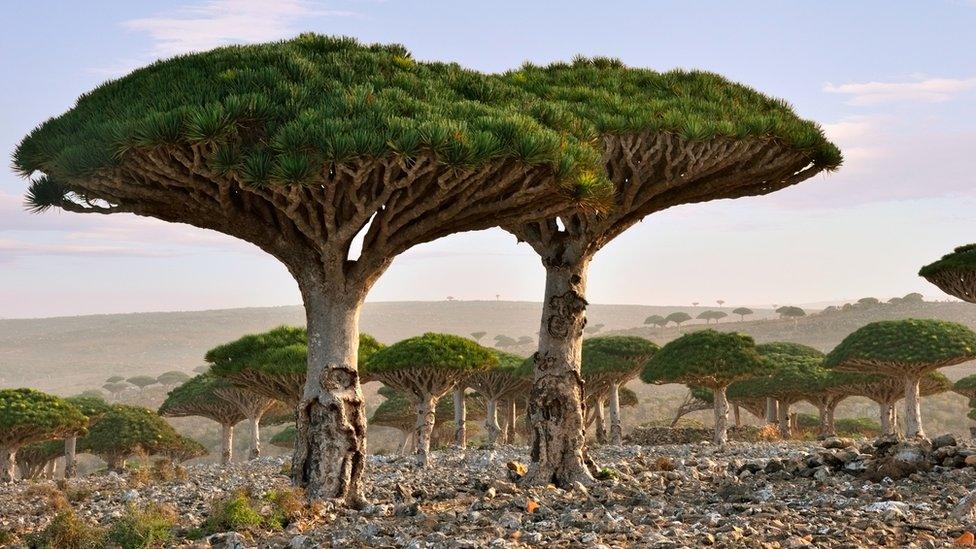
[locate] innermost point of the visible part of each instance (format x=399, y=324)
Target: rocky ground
x=691, y=495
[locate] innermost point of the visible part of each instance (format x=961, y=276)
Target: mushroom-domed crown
x=615, y=354
x=200, y=396
x=127, y=429
x=431, y=351
x=92, y=407
x=966, y=386
x=28, y=416
x=955, y=273
x=788, y=348
x=887, y=389
x=790, y=377
x=899, y=347
x=706, y=357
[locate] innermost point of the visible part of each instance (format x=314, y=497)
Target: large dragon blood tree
x=28, y=416
x=666, y=139
x=425, y=368
x=906, y=350
x=955, y=273
x=709, y=359
x=274, y=363
x=201, y=397
x=500, y=382
x=607, y=363
x=127, y=430
x=886, y=391
x=302, y=148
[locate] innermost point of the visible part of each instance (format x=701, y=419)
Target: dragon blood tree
x=709, y=359
x=424, y=369
x=398, y=412
x=93, y=408
x=607, y=363
x=955, y=273
x=33, y=459
x=28, y=416
x=906, y=350
x=201, y=396
x=274, y=363
x=124, y=431
x=500, y=382
x=303, y=148
x=697, y=398
x=254, y=407
x=181, y=448
x=886, y=391
x=285, y=438
x=666, y=139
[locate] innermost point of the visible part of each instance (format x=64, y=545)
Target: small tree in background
x=743, y=312
x=869, y=301
x=504, y=341
x=954, y=274
x=201, y=369
x=886, y=391
x=709, y=316
x=510, y=375
x=478, y=335
x=28, y=416
x=124, y=431
x=254, y=407
x=200, y=396
x=398, y=412
x=905, y=349
x=172, y=378
x=94, y=409
x=425, y=368
x=791, y=312
x=593, y=329
x=116, y=388
x=35, y=458
x=114, y=379
x=607, y=363
x=913, y=297
x=181, y=448
x=678, y=317
x=284, y=438
x=710, y=359
x=656, y=320
x=697, y=398
x=273, y=363
x=142, y=381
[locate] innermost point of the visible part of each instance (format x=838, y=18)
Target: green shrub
x=286, y=506
x=141, y=529
x=234, y=513
x=67, y=531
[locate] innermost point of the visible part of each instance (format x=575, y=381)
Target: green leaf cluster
x=706, y=357
x=963, y=258
x=615, y=354
x=27, y=415
x=906, y=342
x=199, y=397
x=125, y=430
x=431, y=350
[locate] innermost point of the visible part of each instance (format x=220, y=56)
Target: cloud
x=11, y=249
x=931, y=90
x=215, y=23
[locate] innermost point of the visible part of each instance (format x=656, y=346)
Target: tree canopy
x=655, y=320
x=125, y=430
x=706, y=357
x=888, y=390
x=678, y=317
x=431, y=351
x=788, y=348
x=966, y=386
x=955, y=273
x=181, y=448
x=29, y=416
x=172, y=378
x=616, y=353
x=903, y=346
x=142, y=381
x=789, y=311
x=200, y=396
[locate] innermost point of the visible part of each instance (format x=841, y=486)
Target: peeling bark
x=226, y=443
x=70, y=461
x=721, y=416
x=913, y=410
x=460, y=418
x=330, y=443
x=783, y=419
x=425, y=426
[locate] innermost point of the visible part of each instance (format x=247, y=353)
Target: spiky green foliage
x=904, y=346
x=181, y=448
x=962, y=258
x=788, y=348
x=792, y=377
x=703, y=394
x=126, y=430
x=655, y=320
x=29, y=416
x=431, y=351
x=142, y=381
x=966, y=386
x=706, y=357
x=628, y=398
x=199, y=396
x=94, y=408
x=619, y=354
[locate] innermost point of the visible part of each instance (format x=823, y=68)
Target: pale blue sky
x=893, y=83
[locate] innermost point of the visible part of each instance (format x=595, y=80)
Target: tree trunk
x=601, y=422
x=8, y=465
x=913, y=410
x=330, y=444
x=737, y=415
x=556, y=401
x=512, y=418
x=404, y=441
x=70, y=461
x=783, y=410
x=226, y=443
x=255, y=437
x=460, y=417
x=506, y=422
x=50, y=469
x=887, y=413
x=425, y=426
x=492, y=429
x=771, y=411
x=829, y=430
x=616, y=434
x=721, y=416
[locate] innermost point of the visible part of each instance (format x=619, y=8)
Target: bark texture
x=460, y=418
x=601, y=422
x=8, y=464
x=425, y=426
x=783, y=420
x=613, y=405
x=492, y=429
x=771, y=410
x=70, y=459
x=226, y=443
x=255, y=451
x=889, y=420
x=721, y=416
x=913, y=410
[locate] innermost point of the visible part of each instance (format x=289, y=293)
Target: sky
x=893, y=83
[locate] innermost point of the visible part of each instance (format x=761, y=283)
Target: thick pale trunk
x=492, y=429
x=460, y=418
x=558, y=449
x=8, y=465
x=828, y=429
x=721, y=416
x=771, y=410
x=506, y=422
x=784, y=420
x=512, y=419
x=613, y=405
x=425, y=426
x=737, y=414
x=226, y=443
x=255, y=437
x=70, y=461
x=330, y=446
x=886, y=411
x=601, y=422
x=913, y=410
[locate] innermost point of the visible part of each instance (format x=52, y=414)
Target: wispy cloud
x=11, y=249
x=928, y=90
x=213, y=23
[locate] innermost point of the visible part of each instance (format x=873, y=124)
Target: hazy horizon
x=901, y=110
